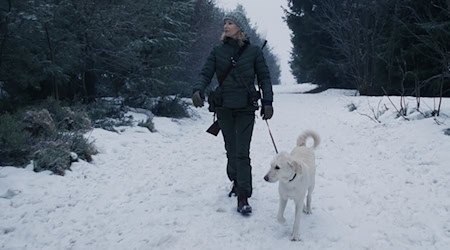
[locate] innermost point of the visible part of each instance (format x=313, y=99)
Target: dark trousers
x=237, y=128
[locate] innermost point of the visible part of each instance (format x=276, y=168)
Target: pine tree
x=312, y=58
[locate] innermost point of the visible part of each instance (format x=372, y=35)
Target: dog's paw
x=307, y=211
x=281, y=219
x=295, y=238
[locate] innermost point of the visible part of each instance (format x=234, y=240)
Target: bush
x=167, y=106
x=53, y=156
x=140, y=101
x=47, y=136
x=82, y=147
x=447, y=131
x=39, y=123
x=79, y=120
x=14, y=141
x=171, y=107
x=352, y=107
x=106, y=108
x=67, y=118
x=108, y=113
x=148, y=124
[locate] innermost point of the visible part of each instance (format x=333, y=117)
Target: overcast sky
x=268, y=17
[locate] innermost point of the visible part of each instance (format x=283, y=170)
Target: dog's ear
x=297, y=167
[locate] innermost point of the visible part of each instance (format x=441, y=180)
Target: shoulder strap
x=233, y=63
x=258, y=84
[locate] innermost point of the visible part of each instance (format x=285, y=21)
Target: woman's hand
x=197, y=99
x=266, y=112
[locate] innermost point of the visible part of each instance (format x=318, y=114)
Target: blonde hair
x=241, y=38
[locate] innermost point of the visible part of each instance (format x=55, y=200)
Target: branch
x=394, y=105
x=437, y=121
x=373, y=119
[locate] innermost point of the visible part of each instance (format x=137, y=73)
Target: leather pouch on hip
x=214, y=129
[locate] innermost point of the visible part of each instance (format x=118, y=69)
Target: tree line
x=84, y=49
x=395, y=47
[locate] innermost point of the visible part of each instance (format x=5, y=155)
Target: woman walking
x=236, y=62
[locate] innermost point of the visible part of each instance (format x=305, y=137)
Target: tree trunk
x=54, y=82
x=5, y=37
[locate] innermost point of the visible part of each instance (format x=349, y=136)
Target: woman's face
x=230, y=29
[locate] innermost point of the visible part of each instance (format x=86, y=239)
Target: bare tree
x=433, y=34
x=355, y=27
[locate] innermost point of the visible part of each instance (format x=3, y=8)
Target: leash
x=271, y=137
x=259, y=90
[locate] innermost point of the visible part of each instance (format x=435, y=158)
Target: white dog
x=296, y=175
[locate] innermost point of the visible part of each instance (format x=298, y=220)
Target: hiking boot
x=233, y=191
x=243, y=207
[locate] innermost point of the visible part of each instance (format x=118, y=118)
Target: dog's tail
x=301, y=140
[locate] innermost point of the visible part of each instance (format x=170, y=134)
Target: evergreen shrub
x=171, y=107
x=14, y=141
x=148, y=124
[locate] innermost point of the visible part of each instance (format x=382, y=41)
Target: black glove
x=197, y=99
x=266, y=110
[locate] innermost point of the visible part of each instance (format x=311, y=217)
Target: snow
x=379, y=185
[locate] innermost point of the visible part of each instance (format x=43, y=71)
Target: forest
x=384, y=47
x=80, y=50
x=67, y=66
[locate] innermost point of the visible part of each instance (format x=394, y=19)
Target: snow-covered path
x=378, y=186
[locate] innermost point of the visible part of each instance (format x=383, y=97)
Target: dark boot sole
x=245, y=210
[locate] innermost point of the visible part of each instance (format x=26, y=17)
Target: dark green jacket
x=250, y=64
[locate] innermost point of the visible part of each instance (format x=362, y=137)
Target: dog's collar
x=295, y=175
